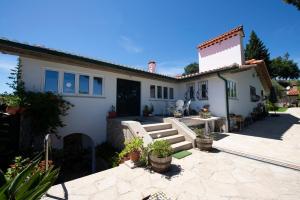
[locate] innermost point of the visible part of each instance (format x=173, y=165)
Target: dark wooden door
x=128, y=97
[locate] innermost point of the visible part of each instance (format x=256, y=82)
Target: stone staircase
x=164, y=131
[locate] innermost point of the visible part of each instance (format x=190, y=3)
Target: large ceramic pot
x=134, y=156
x=204, y=144
x=12, y=109
x=160, y=164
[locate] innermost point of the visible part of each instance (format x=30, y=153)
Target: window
x=171, y=93
x=165, y=93
x=231, y=89
x=84, y=84
x=253, y=96
x=202, y=90
x=152, y=91
x=51, y=81
x=97, y=86
x=159, y=92
x=69, y=83
x=190, y=94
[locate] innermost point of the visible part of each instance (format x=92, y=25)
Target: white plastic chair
x=179, y=106
x=186, y=107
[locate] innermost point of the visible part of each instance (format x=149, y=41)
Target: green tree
x=191, y=68
x=293, y=2
x=255, y=49
x=284, y=68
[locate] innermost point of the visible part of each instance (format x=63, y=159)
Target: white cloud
x=129, y=45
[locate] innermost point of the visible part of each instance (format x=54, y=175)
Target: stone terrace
x=202, y=175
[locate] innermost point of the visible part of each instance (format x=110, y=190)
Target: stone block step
x=163, y=133
x=172, y=139
x=157, y=126
x=185, y=145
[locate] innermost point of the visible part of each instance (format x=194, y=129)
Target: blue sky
x=132, y=32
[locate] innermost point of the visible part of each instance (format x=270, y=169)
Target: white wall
x=242, y=105
x=221, y=54
x=216, y=95
x=89, y=113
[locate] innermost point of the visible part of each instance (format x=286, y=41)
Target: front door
x=128, y=97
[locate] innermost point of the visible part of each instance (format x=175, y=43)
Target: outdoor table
x=206, y=121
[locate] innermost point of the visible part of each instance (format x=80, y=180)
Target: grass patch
x=181, y=154
x=281, y=109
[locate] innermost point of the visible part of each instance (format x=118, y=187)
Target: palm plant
x=30, y=184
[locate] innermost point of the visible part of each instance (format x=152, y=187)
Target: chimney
x=224, y=50
x=151, y=66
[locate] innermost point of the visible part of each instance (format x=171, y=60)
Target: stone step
x=180, y=146
x=157, y=126
x=172, y=139
x=163, y=133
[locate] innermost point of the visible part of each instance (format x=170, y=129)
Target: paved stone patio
x=276, y=138
x=202, y=175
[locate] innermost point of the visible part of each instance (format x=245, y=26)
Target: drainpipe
x=227, y=101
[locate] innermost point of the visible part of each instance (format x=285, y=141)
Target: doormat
x=181, y=154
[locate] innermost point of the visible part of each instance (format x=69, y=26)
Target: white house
x=93, y=86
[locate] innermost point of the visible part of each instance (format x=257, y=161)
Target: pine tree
x=256, y=49
x=191, y=68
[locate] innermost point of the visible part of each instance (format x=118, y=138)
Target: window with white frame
x=171, y=93
x=166, y=93
x=69, y=83
x=152, y=91
x=84, y=82
x=51, y=81
x=97, y=86
x=159, y=92
x=190, y=93
x=202, y=90
x=231, y=89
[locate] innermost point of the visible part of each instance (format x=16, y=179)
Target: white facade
x=221, y=54
x=88, y=116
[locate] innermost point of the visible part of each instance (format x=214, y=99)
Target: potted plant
x=177, y=114
x=204, y=113
x=204, y=140
x=112, y=113
x=134, y=149
x=13, y=104
x=160, y=158
x=146, y=111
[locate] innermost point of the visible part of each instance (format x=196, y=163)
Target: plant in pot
x=146, y=111
x=13, y=104
x=134, y=148
x=160, y=158
x=204, y=140
x=112, y=113
x=204, y=113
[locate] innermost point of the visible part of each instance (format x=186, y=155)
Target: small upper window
x=51, y=81
x=171, y=93
x=69, y=83
x=97, y=86
x=84, y=84
x=165, y=93
x=231, y=89
x=159, y=92
x=202, y=90
x=152, y=91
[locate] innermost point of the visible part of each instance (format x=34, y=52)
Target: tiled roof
x=208, y=72
x=222, y=37
x=293, y=92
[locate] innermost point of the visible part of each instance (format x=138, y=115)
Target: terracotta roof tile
x=293, y=92
x=222, y=37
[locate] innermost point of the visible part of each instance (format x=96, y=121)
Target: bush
x=160, y=148
x=29, y=183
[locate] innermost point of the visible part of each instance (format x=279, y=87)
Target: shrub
x=160, y=148
x=30, y=183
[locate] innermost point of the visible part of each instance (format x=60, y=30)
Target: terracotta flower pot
x=134, y=156
x=12, y=109
x=160, y=164
x=112, y=114
x=204, y=144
